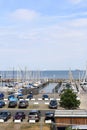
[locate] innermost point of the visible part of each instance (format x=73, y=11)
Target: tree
x=70, y=128
x=68, y=99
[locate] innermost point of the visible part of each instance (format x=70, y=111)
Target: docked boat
x=83, y=82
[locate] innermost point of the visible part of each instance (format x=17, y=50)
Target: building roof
x=79, y=127
x=70, y=113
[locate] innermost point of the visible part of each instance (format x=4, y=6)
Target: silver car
x=34, y=115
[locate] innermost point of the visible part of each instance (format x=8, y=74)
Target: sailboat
x=83, y=83
x=72, y=82
x=69, y=84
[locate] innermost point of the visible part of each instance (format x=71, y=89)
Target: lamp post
x=41, y=124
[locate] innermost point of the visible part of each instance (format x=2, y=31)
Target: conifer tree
x=68, y=99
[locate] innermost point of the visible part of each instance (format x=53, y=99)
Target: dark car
x=12, y=104
x=5, y=115
x=30, y=96
x=49, y=116
x=1, y=96
x=20, y=94
x=19, y=116
x=2, y=103
x=34, y=115
x=53, y=104
x=45, y=96
x=20, y=97
x=23, y=104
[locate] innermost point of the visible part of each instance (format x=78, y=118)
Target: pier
x=50, y=80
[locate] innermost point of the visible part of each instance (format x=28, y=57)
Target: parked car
x=20, y=90
x=5, y=115
x=53, y=104
x=2, y=103
x=30, y=96
x=45, y=96
x=49, y=116
x=34, y=115
x=11, y=96
x=20, y=97
x=1, y=96
x=19, y=94
x=23, y=104
x=13, y=99
x=12, y=104
x=19, y=116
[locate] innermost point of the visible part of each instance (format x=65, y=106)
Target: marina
x=41, y=81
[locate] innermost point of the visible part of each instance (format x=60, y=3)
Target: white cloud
x=65, y=40
x=81, y=22
x=75, y=1
x=24, y=14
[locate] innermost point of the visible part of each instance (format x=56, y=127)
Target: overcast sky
x=43, y=34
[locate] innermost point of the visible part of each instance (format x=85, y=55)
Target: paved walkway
x=83, y=99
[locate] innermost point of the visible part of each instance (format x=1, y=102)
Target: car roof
x=22, y=100
x=2, y=101
x=53, y=100
x=20, y=111
x=34, y=110
x=49, y=112
x=45, y=95
x=30, y=95
x=4, y=111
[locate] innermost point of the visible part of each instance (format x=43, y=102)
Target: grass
x=24, y=126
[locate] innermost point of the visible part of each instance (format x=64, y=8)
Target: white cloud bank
x=24, y=14
x=50, y=42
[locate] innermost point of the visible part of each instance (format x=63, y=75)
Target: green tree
x=68, y=99
x=69, y=128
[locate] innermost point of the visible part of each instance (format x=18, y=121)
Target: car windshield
x=45, y=96
x=1, y=102
x=12, y=102
x=19, y=113
x=22, y=102
x=54, y=102
x=3, y=113
x=30, y=95
x=32, y=113
x=49, y=113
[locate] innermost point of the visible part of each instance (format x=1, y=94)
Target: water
x=48, y=88
x=61, y=74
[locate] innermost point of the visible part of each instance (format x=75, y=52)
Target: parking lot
x=35, y=103
x=42, y=124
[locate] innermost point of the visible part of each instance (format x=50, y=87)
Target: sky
x=43, y=34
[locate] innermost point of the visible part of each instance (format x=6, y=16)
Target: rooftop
x=70, y=113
